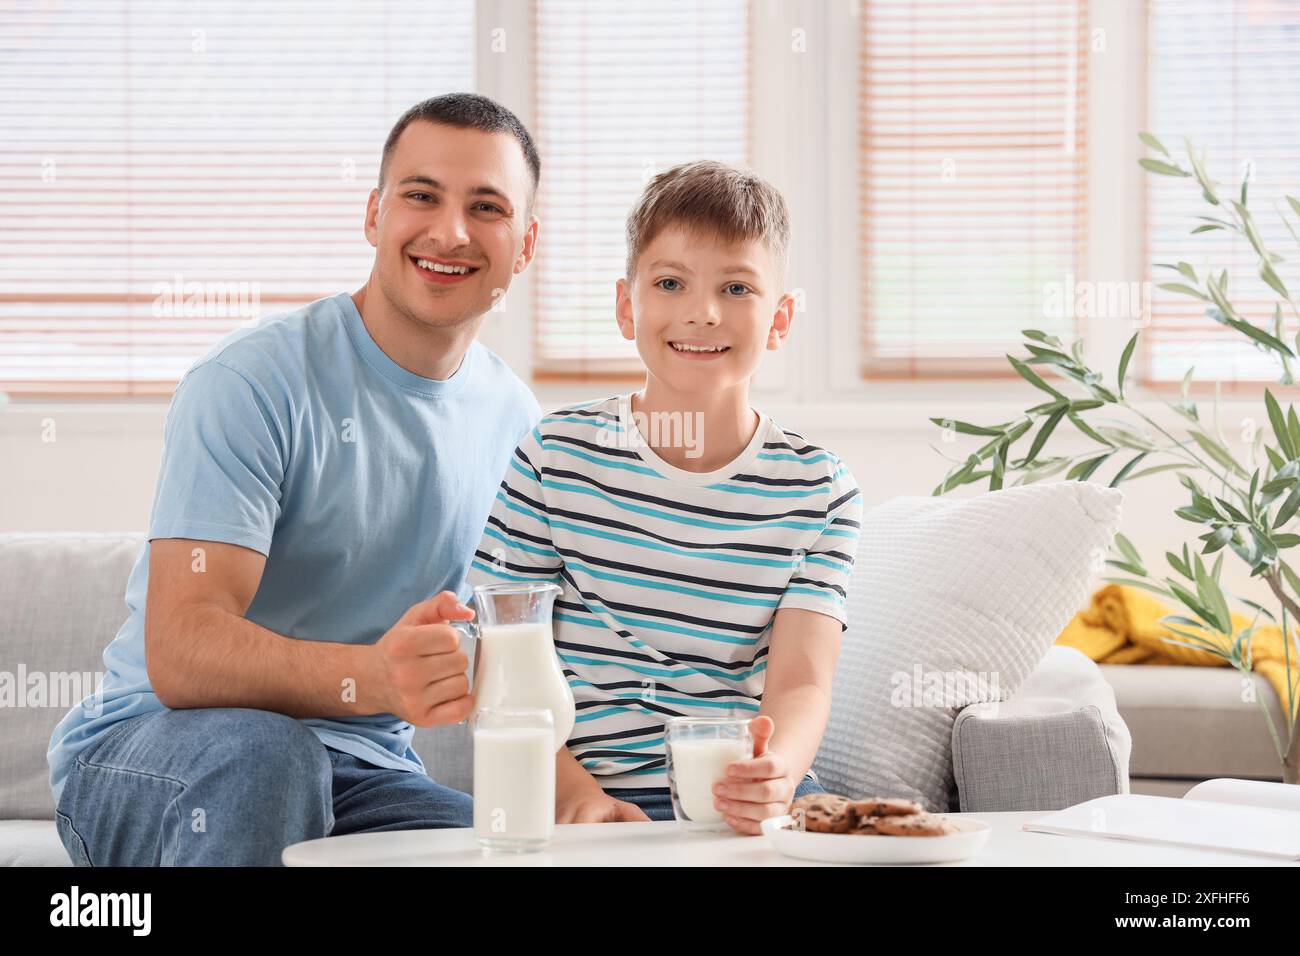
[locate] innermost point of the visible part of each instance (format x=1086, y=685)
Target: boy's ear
x=623, y=310
x=529, y=248
x=372, y=215
x=781, y=322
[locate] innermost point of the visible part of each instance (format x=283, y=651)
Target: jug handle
x=470, y=629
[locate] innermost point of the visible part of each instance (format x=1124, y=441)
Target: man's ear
x=782, y=319
x=372, y=217
x=529, y=248
x=623, y=309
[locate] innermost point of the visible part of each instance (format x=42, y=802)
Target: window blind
x=171, y=171
x=1225, y=75
x=971, y=125
x=623, y=90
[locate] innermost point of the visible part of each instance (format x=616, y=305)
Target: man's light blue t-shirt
x=365, y=485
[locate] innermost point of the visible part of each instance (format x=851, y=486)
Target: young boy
x=703, y=551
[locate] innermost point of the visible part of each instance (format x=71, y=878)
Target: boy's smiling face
x=702, y=311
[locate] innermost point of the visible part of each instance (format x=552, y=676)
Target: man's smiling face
x=451, y=224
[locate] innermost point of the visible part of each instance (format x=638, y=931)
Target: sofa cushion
x=1197, y=722
x=31, y=843
x=953, y=602
x=62, y=600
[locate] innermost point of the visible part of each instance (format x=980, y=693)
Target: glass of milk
x=514, y=778
x=698, y=752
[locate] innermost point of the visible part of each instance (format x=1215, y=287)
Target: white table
x=665, y=844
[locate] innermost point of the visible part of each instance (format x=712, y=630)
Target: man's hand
x=757, y=788
x=593, y=805
x=419, y=668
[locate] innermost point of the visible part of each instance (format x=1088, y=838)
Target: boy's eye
x=737, y=288
x=673, y=288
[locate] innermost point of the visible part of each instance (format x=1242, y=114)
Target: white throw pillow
x=954, y=601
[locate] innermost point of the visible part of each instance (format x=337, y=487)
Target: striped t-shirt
x=670, y=578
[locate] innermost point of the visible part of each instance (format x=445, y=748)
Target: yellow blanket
x=1121, y=626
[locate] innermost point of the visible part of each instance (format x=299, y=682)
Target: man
x=323, y=474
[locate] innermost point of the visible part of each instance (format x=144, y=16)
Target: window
x=971, y=126
x=1225, y=75
x=172, y=171
x=623, y=90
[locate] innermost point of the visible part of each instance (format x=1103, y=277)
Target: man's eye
x=738, y=288
x=491, y=207
x=675, y=285
x=420, y=196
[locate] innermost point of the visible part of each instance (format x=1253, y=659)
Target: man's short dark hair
x=466, y=111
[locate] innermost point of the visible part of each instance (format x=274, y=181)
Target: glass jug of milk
x=514, y=662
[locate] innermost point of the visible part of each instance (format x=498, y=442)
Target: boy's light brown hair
x=710, y=198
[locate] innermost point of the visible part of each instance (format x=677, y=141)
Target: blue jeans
x=231, y=786
x=657, y=802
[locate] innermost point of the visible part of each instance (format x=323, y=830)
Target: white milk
x=514, y=783
x=517, y=667
x=699, y=763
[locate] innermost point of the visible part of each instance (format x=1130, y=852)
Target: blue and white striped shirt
x=670, y=578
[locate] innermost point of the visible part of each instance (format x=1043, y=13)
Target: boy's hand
x=595, y=806
x=757, y=788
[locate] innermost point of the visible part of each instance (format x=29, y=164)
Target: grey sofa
x=1059, y=741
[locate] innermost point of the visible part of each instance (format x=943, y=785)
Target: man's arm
x=200, y=650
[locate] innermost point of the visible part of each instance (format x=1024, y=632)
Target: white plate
x=850, y=848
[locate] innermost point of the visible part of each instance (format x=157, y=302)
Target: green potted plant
x=1247, y=510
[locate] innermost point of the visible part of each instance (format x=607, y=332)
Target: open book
x=1241, y=816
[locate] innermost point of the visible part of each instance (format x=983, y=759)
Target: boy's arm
x=580, y=799
x=802, y=652
x=797, y=689
x=807, y=629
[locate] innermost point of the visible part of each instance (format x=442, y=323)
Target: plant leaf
x=1031, y=377
x=1088, y=430
x=1044, y=433
x=1267, y=273
x=1155, y=144
x=1144, y=585
x=1039, y=336
x=1276, y=420
x=1123, y=472
x=1163, y=168
x=1123, y=362
x=1288, y=509
x=1156, y=469
x=1291, y=577
x=1178, y=564
x=967, y=429
x=1083, y=470
x=1218, y=452
x=1184, y=289
x=1126, y=548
